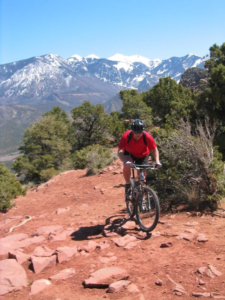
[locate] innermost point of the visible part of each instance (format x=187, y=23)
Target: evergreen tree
x=91, y=125
x=134, y=108
x=169, y=102
x=9, y=188
x=45, y=148
x=118, y=127
x=212, y=101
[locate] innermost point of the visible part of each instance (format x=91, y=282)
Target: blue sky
x=151, y=28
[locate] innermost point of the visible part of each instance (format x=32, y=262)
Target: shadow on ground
x=112, y=224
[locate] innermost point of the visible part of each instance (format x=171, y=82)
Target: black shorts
x=138, y=160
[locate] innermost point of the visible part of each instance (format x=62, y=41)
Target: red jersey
x=137, y=148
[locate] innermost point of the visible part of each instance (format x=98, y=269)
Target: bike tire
x=148, y=210
x=131, y=202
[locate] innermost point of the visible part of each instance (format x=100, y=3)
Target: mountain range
x=50, y=80
x=35, y=85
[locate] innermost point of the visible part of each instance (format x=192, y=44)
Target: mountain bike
x=142, y=200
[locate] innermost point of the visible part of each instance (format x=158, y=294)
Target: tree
x=118, y=127
x=91, y=125
x=9, y=188
x=169, y=102
x=59, y=114
x=212, y=101
x=45, y=148
x=215, y=96
x=134, y=108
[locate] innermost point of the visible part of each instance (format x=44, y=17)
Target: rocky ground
x=76, y=241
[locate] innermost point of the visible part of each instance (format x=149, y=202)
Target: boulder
x=13, y=276
x=65, y=253
x=118, y=286
x=42, y=251
x=64, y=274
x=19, y=256
x=42, y=263
x=123, y=241
x=104, y=277
x=39, y=285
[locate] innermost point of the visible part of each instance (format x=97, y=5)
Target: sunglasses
x=137, y=132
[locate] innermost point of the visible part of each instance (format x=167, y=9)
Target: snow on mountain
x=51, y=76
x=135, y=59
x=75, y=57
x=92, y=56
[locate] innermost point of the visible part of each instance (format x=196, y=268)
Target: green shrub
x=93, y=158
x=193, y=172
x=9, y=188
x=47, y=174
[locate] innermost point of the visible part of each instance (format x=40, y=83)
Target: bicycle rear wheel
x=148, y=209
x=130, y=201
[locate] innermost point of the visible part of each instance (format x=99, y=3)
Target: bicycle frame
x=144, y=202
x=138, y=184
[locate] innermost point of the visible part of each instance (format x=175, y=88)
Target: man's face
x=137, y=135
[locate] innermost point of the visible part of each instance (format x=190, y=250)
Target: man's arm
x=121, y=155
x=155, y=153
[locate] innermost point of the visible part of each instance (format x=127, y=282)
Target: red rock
x=64, y=274
x=18, y=242
x=90, y=246
x=13, y=276
x=159, y=282
x=104, y=277
x=123, y=241
x=102, y=246
x=42, y=251
x=214, y=270
x=42, y=263
x=132, y=288
x=19, y=256
x=202, y=238
x=118, y=286
x=107, y=259
x=56, y=237
x=166, y=245
x=62, y=210
x=206, y=295
x=65, y=253
x=129, y=225
x=39, y=285
x=46, y=230
x=131, y=245
x=184, y=236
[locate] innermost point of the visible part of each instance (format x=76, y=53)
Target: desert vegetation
x=189, y=129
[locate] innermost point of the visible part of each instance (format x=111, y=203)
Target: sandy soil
x=96, y=202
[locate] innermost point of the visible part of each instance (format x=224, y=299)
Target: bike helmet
x=137, y=126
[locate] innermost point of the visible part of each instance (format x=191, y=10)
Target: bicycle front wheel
x=148, y=209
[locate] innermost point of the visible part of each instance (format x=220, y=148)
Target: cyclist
x=135, y=146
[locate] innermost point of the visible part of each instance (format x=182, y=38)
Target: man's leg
x=127, y=170
x=127, y=174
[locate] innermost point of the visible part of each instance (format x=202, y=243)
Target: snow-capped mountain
x=50, y=79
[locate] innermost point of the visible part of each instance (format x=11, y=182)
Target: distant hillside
x=14, y=119
x=113, y=104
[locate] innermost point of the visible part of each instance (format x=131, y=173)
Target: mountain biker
x=135, y=146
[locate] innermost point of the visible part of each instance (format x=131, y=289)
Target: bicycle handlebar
x=143, y=167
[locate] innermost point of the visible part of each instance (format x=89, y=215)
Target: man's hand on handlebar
x=158, y=165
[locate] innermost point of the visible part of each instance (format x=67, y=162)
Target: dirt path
x=163, y=265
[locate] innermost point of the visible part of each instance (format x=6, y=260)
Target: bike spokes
x=148, y=210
